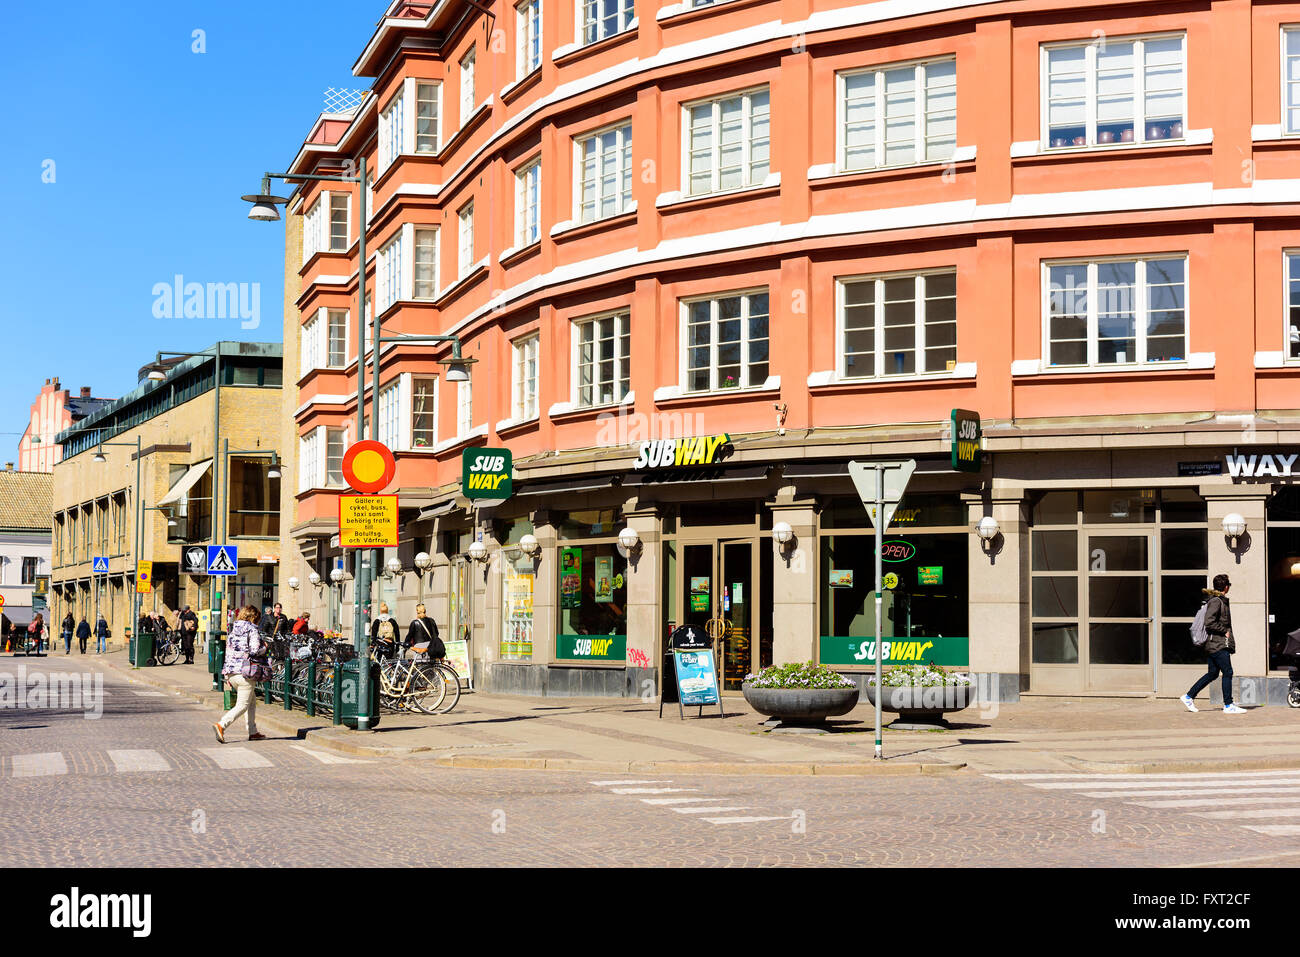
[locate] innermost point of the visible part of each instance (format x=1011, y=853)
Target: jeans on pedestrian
x=101, y=645
x=67, y=643
x=245, y=703
x=1220, y=663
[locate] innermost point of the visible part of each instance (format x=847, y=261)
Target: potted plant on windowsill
x=800, y=694
x=920, y=695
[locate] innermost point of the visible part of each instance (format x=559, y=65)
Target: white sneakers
x=1189, y=704
x=1233, y=709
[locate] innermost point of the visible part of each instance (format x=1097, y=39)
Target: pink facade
x=53, y=411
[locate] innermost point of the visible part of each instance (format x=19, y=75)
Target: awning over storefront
x=186, y=482
x=433, y=511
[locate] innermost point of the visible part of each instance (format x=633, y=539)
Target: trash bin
x=142, y=650
x=348, y=675
x=216, y=656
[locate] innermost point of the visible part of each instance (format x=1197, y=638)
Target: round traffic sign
x=369, y=466
x=2, y=601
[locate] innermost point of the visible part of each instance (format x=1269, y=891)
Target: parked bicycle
x=167, y=647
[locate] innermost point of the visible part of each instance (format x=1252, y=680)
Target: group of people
x=13, y=639
x=82, y=631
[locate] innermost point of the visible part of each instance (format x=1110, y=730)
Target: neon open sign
x=896, y=550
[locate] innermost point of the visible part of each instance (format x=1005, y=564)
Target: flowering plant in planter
x=923, y=676
x=796, y=675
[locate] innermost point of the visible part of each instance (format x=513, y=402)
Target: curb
x=1175, y=765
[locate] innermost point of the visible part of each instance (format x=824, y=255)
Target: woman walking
x=83, y=633
x=101, y=636
x=69, y=626
x=245, y=666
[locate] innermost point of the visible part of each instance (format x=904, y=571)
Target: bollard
x=288, y=679
x=338, y=695
x=311, y=689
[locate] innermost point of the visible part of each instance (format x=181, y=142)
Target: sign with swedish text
x=485, y=473
x=861, y=651
x=591, y=647
x=367, y=521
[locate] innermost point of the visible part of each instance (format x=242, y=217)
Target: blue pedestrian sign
x=223, y=559
x=99, y=566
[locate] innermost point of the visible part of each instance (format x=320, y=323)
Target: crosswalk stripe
x=325, y=758
x=606, y=784
x=744, y=820
x=1251, y=814
x=650, y=790
x=38, y=765
x=1189, y=792
x=1215, y=802
x=709, y=810
x=677, y=800
x=149, y=694
x=1173, y=775
x=1275, y=830
x=138, y=760
x=232, y=759
x=1138, y=785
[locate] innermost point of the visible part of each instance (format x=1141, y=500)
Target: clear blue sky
x=152, y=146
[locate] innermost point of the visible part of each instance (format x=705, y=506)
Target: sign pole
x=880, y=604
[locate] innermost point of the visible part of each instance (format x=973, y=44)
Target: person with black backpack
x=1213, y=628
x=424, y=631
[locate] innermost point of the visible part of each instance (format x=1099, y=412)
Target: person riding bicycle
x=384, y=632
x=424, y=631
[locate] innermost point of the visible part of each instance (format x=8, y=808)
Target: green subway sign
x=485, y=473
x=591, y=647
x=859, y=652
x=966, y=435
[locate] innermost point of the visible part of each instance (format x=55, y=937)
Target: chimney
x=85, y=392
x=9, y=466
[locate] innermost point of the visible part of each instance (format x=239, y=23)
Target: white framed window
x=340, y=215
x=1115, y=312
x=465, y=239
x=896, y=324
x=309, y=474
x=604, y=173
x=424, y=412
x=1292, y=306
x=336, y=351
x=898, y=115
x=602, y=359
x=425, y=266
x=392, y=130
x=1291, y=80
x=468, y=98
x=336, y=444
x=388, y=274
x=309, y=346
x=1114, y=91
x=326, y=226
x=370, y=196
x=726, y=341
x=528, y=37
x=604, y=18
x=389, y=415
x=727, y=142
x=464, y=408
x=528, y=185
x=313, y=230
x=428, y=100
x=523, y=385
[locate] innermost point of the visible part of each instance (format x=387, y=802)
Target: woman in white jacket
x=243, y=643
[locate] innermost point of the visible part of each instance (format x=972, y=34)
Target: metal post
x=361, y=577
x=214, y=612
x=880, y=543
x=139, y=536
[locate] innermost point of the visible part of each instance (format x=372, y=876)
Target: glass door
x=1120, y=618
x=738, y=603
x=697, y=591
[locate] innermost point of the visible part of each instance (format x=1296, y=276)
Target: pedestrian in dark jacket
x=69, y=628
x=189, y=629
x=424, y=631
x=1220, y=646
x=83, y=633
x=101, y=636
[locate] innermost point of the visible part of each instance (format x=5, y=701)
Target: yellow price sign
x=368, y=521
x=891, y=581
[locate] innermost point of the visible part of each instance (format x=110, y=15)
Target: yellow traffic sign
x=143, y=578
x=368, y=521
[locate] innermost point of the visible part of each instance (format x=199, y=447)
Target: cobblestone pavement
x=147, y=784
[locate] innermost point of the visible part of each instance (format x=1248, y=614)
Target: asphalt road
x=146, y=784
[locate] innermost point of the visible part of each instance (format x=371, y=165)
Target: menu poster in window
x=605, y=579
x=571, y=578
x=700, y=593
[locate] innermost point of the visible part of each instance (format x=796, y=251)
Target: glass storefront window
x=914, y=511
x=596, y=523
x=1182, y=505
x=254, y=499
x=517, y=584
x=1056, y=644
x=1283, y=592
x=1110, y=506
x=1057, y=508
x=1055, y=551
x=593, y=602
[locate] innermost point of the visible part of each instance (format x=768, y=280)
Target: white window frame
x=416, y=84
x=1140, y=310
x=919, y=343
x=528, y=208
x=625, y=19
x=685, y=347
x=309, y=358
x=1289, y=255
x=341, y=436
x=528, y=37
x=525, y=395
x=747, y=110
x=465, y=239
x=433, y=412
x=392, y=130
x=464, y=408
x=388, y=273
x=331, y=244
x=1289, y=30
x=429, y=243
x=1090, y=48
x=468, y=93
x=309, y=460
x=390, y=414
x=623, y=171
x=329, y=351
x=920, y=115
x=622, y=364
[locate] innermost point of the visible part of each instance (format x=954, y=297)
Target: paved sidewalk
x=1038, y=734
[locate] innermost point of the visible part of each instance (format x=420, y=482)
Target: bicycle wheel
x=169, y=653
x=389, y=696
x=451, y=682
x=425, y=692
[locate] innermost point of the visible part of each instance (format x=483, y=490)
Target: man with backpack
x=1213, y=630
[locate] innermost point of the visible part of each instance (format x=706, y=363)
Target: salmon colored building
x=816, y=227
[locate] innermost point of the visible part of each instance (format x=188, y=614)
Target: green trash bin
x=216, y=655
x=348, y=675
x=141, y=649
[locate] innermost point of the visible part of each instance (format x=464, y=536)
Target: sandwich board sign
x=692, y=678
x=223, y=559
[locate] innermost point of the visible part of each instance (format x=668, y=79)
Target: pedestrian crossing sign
x=223, y=559
x=99, y=566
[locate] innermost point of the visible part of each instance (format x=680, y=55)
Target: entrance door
x=1118, y=636
x=737, y=599
x=725, y=580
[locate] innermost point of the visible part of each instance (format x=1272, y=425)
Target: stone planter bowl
x=801, y=706
x=922, y=709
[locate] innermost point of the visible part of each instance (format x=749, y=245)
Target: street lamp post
x=139, y=521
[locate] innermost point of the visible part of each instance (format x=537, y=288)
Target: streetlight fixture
x=313, y=579
x=423, y=562
x=393, y=567
x=100, y=457
x=477, y=551
x=1234, y=526
x=457, y=366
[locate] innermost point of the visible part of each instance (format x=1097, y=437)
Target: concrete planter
x=922, y=709
x=801, y=706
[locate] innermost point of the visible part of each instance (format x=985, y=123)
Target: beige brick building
x=181, y=432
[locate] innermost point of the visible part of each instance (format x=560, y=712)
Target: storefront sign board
x=486, y=474
x=861, y=651
x=676, y=453
x=591, y=647
x=368, y=521
x=966, y=435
